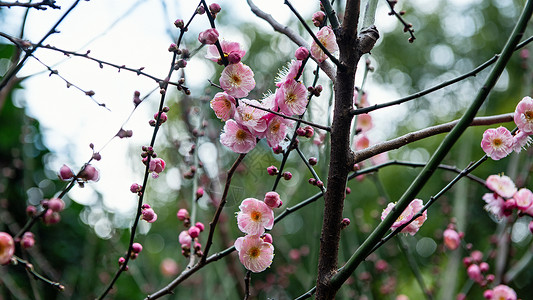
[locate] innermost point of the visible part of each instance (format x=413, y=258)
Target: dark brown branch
x=45, y=4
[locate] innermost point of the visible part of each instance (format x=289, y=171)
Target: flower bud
x=194, y=232
x=272, y=170
x=273, y=200
x=149, y=215
x=267, y=238
x=179, y=23
x=301, y=53
x=65, y=173
x=318, y=18
x=136, y=248
x=56, y=204
x=234, y=58
x=27, y=240
x=7, y=248
x=287, y=175
x=51, y=217
x=183, y=214
x=345, y=222
x=208, y=37
x=200, y=226
x=135, y=188
x=89, y=173
x=199, y=192
x=214, y=8
x=313, y=161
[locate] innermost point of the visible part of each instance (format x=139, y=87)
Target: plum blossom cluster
x=255, y=216
x=136, y=248
x=406, y=217
x=156, y=165
x=87, y=173
x=505, y=198
x=499, y=142
x=189, y=238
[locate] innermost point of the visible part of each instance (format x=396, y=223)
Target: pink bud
x=194, y=232
x=209, y=36
x=185, y=239
x=484, y=267
x=136, y=248
x=348, y=190
x=135, y=188
x=294, y=254
x=318, y=18
x=183, y=214
x=300, y=131
x=487, y=294
x=156, y=166
x=27, y=240
x=31, y=210
x=272, y=170
x=51, y=217
x=65, y=173
x=309, y=131
x=149, y=215
x=277, y=150
x=381, y=265
x=312, y=181
x=531, y=226
x=345, y=222
x=273, y=200
x=287, y=175
x=451, y=239
x=474, y=273
x=234, y=58
x=301, y=53
x=214, y=8
x=461, y=296
x=56, y=204
x=477, y=256
x=313, y=161
x=267, y=238
x=179, y=23
x=199, y=192
x=200, y=226
x=89, y=173
x=121, y=261
x=7, y=248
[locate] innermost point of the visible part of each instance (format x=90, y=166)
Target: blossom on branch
x=255, y=216
x=237, y=80
x=410, y=211
x=7, y=248
x=237, y=137
x=254, y=253
x=223, y=105
x=523, y=115
x=230, y=49
x=291, y=97
x=326, y=38
x=502, y=185
x=209, y=36
x=497, y=143
x=156, y=166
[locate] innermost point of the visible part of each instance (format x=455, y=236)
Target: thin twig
x=45, y=4
x=31, y=270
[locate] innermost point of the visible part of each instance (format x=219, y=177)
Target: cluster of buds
x=476, y=268
x=156, y=164
x=318, y=183
x=190, y=173
x=162, y=116
x=190, y=235
x=148, y=214
x=214, y=8
x=53, y=207
x=306, y=131
x=88, y=173
x=315, y=91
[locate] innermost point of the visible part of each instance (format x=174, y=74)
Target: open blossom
x=288, y=72
x=502, y=185
x=521, y=140
x=291, y=98
x=255, y=216
x=523, y=115
x=497, y=143
x=523, y=198
x=228, y=48
x=503, y=292
x=7, y=248
x=237, y=137
x=254, y=253
x=495, y=205
x=237, y=80
x=327, y=38
x=156, y=166
x=223, y=105
x=251, y=117
x=276, y=130
x=410, y=211
x=364, y=122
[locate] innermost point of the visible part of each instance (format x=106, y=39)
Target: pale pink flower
x=451, y=239
x=327, y=38
x=363, y=102
x=254, y=253
x=503, y=292
x=361, y=141
x=379, y=159
x=156, y=166
x=497, y=143
x=168, y=267
x=209, y=36
x=364, y=122
x=7, y=248
x=255, y=216
x=521, y=140
x=228, y=48
x=185, y=239
x=223, y=105
x=237, y=137
x=237, y=80
x=410, y=211
x=523, y=115
x=269, y=102
x=288, y=72
x=523, y=198
x=495, y=205
x=277, y=129
x=251, y=117
x=291, y=98
x=502, y=185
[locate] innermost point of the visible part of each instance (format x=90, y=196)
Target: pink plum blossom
x=503, y=292
x=521, y=140
x=254, y=253
x=223, y=105
x=254, y=216
x=502, y=185
x=523, y=198
x=7, y=248
x=237, y=137
x=209, y=36
x=156, y=166
x=185, y=239
x=228, y=48
x=276, y=130
x=288, y=72
x=497, y=143
x=273, y=200
x=327, y=38
x=291, y=98
x=523, y=115
x=237, y=80
x=474, y=272
x=364, y=122
x=251, y=117
x=452, y=239
x=495, y=204
x=410, y=211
